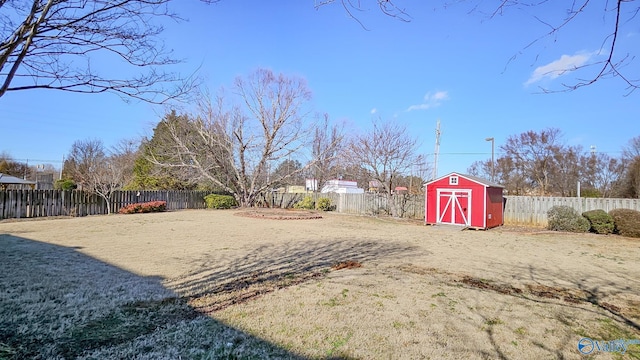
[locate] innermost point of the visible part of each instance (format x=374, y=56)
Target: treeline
x=541, y=163
x=262, y=136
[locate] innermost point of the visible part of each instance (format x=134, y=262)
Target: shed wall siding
x=494, y=207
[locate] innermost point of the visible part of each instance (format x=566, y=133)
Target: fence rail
x=519, y=210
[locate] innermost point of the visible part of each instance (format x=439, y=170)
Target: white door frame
x=453, y=201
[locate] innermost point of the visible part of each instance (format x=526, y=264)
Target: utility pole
x=493, y=166
x=411, y=179
x=62, y=167
x=437, y=150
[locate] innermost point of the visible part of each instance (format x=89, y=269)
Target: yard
x=210, y=284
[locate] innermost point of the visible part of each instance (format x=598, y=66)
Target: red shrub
x=152, y=206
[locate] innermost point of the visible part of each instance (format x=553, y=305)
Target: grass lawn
x=201, y=284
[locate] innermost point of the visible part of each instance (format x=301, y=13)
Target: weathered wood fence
x=532, y=210
x=39, y=203
x=409, y=206
x=519, y=210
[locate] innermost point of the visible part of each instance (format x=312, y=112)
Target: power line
x=502, y=153
x=37, y=160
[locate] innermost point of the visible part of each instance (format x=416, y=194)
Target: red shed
x=461, y=199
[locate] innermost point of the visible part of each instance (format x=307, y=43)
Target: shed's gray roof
x=481, y=180
x=8, y=179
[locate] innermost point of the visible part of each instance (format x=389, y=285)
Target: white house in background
x=341, y=187
x=311, y=184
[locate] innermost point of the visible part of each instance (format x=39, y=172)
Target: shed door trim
x=453, y=201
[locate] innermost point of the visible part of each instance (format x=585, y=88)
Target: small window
x=453, y=180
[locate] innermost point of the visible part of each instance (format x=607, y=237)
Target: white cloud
x=430, y=100
x=559, y=67
x=373, y=111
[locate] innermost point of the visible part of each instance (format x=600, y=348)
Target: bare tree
x=628, y=185
x=566, y=171
x=534, y=153
x=630, y=180
x=513, y=176
x=386, y=152
x=481, y=169
x=602, y=172
x=83, y=158
x=632, y=149
x=96, y=171
x=538, y=162
x=507, y=173
x=123, y=156
x=109, y=178
x=327, y=144
x=52, y=44
x=288, y=166
x=232, y=146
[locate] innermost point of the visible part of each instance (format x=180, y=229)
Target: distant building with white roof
x=341, y=187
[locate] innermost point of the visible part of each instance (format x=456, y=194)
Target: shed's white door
x=453, y=207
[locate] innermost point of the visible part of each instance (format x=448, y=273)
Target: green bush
x=65, y=184
x=600, y=221
x=324, y=204
x=590, y=193
x=306, y=203
x=566, y=218
x=215, y=201
x=627, y=222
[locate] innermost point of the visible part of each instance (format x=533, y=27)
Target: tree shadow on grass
x=56, y=302
x=275, y=266
x=534, y=310
x=604, y=299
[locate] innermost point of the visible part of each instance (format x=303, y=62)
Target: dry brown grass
x=208, y=284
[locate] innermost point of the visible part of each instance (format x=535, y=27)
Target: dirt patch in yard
x=349, y=264
x=279, y=214
x=210, y=284
x=489, y=285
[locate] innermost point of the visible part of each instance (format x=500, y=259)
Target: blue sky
x=447, y=63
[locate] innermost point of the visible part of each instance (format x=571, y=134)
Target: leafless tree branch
x=385, y=153
x=387, y=7
x=612, y=66
x=53, y=44
x=233, y=146
x=100, y=172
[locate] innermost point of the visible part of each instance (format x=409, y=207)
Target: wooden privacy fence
x=408, y=206
x=39, y=203
x=532, y=210
x=519, y=210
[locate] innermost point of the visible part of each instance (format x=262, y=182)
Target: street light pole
x=493, y=171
